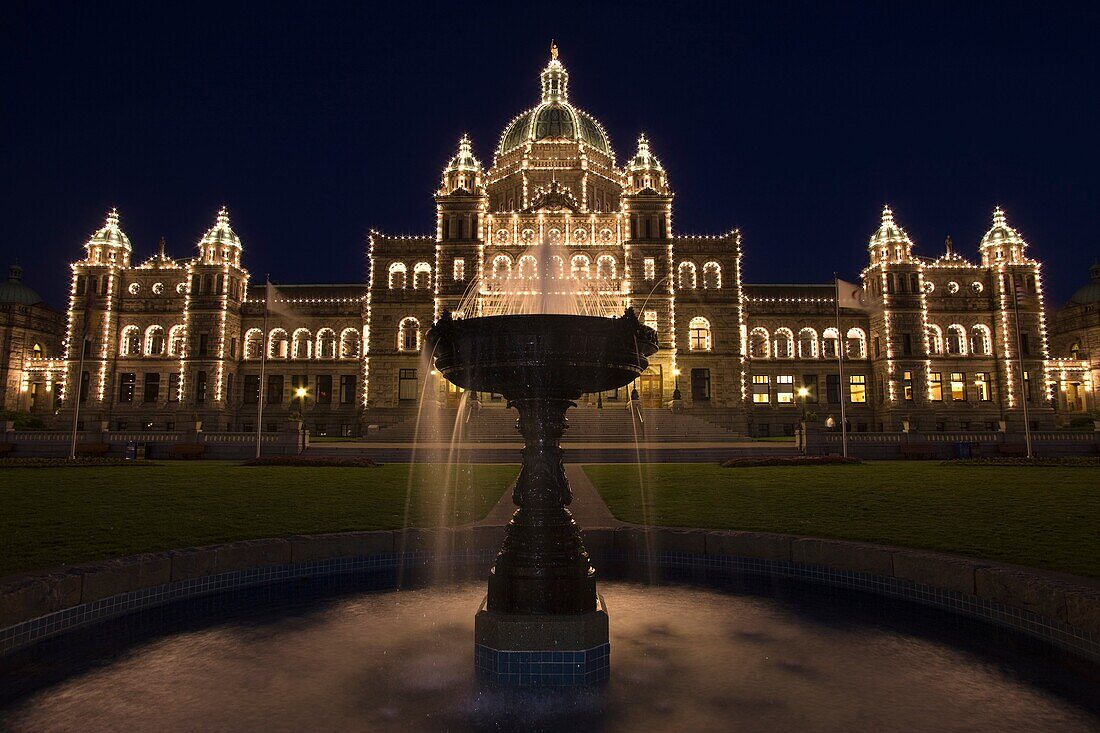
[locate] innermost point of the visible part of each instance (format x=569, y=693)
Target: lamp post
x=803, y=393
x=676, y=389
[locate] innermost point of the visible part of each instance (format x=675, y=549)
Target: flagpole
x=263, y=366
x=1020, y=357
x=840, y=370
x=76, y=398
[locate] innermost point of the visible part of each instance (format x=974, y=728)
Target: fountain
x=542, y=621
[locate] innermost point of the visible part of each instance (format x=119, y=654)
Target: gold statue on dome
x=553, y=50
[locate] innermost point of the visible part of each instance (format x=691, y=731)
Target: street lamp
x=676, y=390
x=803, y=393
x=301, y=392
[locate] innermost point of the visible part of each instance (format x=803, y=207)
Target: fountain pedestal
x=542, y=622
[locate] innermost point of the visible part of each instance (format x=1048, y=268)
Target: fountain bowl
x=547, y=355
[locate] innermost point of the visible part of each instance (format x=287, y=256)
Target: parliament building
x=960, y=340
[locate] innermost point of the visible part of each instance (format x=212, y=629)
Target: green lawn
x=1043, y=517
x=57, y=516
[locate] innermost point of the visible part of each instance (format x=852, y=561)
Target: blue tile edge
x=543, y=668
x=1057, y=633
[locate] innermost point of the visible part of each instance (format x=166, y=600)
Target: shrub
x=1084, y=422
x=314, y=461
x=23, y=420
x=1067, y=461
x=789, y=461
x=79, y=462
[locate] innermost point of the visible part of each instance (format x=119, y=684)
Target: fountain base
x=542, y=650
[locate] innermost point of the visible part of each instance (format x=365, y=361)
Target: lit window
x=907, y=385
x=760, y=388
x=958, y=386
x=712, y=276
x=422, y=276
x=408, y=335
x=459, y=269
x=649, y=318
x=784, y=389
x=397, y=276
x=650, y=267
x=935, y=387
x=699, y=334
x=984, y=384
x=857, y=388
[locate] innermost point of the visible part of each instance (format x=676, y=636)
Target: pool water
x=749, y=657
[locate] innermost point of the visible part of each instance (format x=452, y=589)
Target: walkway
x=588, y=507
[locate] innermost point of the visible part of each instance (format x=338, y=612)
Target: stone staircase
x=586, y=424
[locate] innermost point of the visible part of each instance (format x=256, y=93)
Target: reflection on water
x=683, y=658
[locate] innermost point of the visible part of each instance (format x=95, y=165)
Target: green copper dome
x=14, y=291
x=555, y=118
x=1089, y=294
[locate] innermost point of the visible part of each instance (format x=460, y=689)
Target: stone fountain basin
x=545, y=355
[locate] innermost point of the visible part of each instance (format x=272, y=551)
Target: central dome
x=554, y=118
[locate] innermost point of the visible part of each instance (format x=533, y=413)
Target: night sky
x=315, y=123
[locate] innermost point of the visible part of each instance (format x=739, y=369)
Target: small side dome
x=14, y=291
x=221, y=234
x=1088, y=294
x=110, y=235
x=888, y=231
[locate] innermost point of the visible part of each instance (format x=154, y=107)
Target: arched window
x=303, y=344
x=712, y=276
x=687, y=276
x=759, y=344
x=956, y=340
x=981, y=340
x=605, y=267
x=502, y=267
x=398, y=273
x=528, y=267
x=557, y=267
x=422, y=276
x=830, y=343
x=408, y=335
x=807, y=343
x=176, y=340
x=857, y=344
x=130, y=342
x=253, y=343
x=36, y=351
x=326, y=344
x=154, y=341
x=349, y=343
x=784, y=343
x=935, y=339
x=581, y=267
x=278, y=344
x=699, y=335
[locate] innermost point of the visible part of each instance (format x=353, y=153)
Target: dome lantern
x=644, y=170
x=1002, y=244
x=889, y=243
x=463, y=171
x=220, y=244
x=109, y=245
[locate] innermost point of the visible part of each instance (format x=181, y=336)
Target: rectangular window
x=229, y=389
x=275, y=389
x=649, y=319
x=324, y=389
x=251, y=394
x=857, y=388
x=761, y=388
x=700, y=385
x=878, y=351
x=200, y=388
x=174, y=387
x=958, y=386
x=784, y=389
x=459, y=269
x=1027, y=386
x=907, y=344
x=809, y=381
x=233, y=348
x=935, y=387
x=347, y=389
x=85, y=382
x=151, y=393
x=832, y=388
x=649, y=266
x=406, y=385
x=907, y=386
x=1024, y=346
x=984, y=384
x=126, y=387
x=204, y=344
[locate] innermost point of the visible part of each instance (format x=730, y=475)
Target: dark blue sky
x=315, y=123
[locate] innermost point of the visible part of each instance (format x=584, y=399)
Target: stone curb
x=1068, y=599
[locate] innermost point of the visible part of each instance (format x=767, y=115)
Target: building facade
x=944, y=343
x=31, y=336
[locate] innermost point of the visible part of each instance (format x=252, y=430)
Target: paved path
x=588, y=508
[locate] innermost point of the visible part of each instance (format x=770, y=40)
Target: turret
x=463, y=172
x=1002, y=245
x=644, y=171
x=109, y=245
x=889, y=244
x=220, y=245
